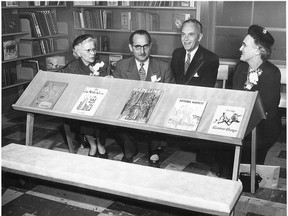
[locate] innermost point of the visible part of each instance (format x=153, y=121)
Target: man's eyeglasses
x=139, y=47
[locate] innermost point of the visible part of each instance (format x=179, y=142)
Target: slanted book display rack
x=247, y=113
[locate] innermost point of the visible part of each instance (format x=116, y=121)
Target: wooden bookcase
x=15, y=77
x=158, y=20
x=110, y=108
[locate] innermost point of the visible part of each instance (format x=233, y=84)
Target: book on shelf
x=10, y=23
x=178, y=19
x=227, y=120
x=89, y=101
x=125, y=20
x=28, y=69
x=39, y=23
x=12, y=3
x=55, y=62
x=113, y=60
x=9, y=76
x=83, y=3
x=125, y=3
x=112, y=3
x=49, y=94
x=186, y=114
x=140, y=105
x=10, y=48
x=145, y=20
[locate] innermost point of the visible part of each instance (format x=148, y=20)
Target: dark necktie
x=187, y=63
x=142, y=72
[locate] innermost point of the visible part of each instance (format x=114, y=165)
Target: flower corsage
x=96, y=69
x=252, y=78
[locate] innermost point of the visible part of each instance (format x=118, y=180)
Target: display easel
x=118, y=93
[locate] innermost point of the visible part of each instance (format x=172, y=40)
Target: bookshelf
x=118, y=19
x=19, y=44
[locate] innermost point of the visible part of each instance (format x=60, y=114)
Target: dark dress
x=78, y=67
x=268, y=87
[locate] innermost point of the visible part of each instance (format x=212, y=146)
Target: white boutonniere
x=252, y=78
x=95, y=69
x=155, y=79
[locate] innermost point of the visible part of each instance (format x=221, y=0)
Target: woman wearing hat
x=86, y=63
x=256, y=73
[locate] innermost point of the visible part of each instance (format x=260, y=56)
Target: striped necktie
x=187, y=63
x=142, y=72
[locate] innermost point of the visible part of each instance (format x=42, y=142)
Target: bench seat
x=172, y=188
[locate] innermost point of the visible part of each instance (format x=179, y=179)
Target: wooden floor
x=22, y=196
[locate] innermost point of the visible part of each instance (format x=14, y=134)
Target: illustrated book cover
x=227, y=120
x=89, y=101
x=10, y=49
x=178, y=19
x=140, y=105
x=113, y=60
x=186, y=114
x=49, y=95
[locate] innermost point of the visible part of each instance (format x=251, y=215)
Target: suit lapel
x=152, y=70
x=195, y=65
x=132, y=71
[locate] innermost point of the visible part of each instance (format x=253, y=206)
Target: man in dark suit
x=142, y=67
x=192, y=64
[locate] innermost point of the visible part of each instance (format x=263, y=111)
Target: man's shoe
x=104, y=156
x=127, y=160
x=154, y=163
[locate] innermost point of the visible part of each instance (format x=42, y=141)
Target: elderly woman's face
x=249, y=49
x=88, y=51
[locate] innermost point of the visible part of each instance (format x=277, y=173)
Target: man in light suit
x=142, y=67
x=202, y=65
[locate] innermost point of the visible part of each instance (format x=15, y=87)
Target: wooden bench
x=172, y=188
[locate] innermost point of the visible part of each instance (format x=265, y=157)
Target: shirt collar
x=146, y=63
x=192, y=53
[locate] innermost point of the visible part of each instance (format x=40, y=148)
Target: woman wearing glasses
x=86, y=63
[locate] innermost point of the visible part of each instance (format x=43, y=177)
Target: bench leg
x=236, y=163
x=253, y=160
x=69, y=137
x=29, y=128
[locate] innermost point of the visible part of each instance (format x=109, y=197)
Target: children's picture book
x=89, y=101
x=227, y=120
x=186, y=114
x=113, y=60
x=10, y=49
x=49, y=95
x=140, y=105
x=178, y=19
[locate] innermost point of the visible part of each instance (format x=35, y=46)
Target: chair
x=282, y=103
x=223, y=74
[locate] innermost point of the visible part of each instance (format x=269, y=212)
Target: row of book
x=101, y=19
x=37, y=47
x=145, y=20
x=164, y=3
x=40, y=23
x=9, y=76
x=185, y=115
x=136, y=3
x=31, y=3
